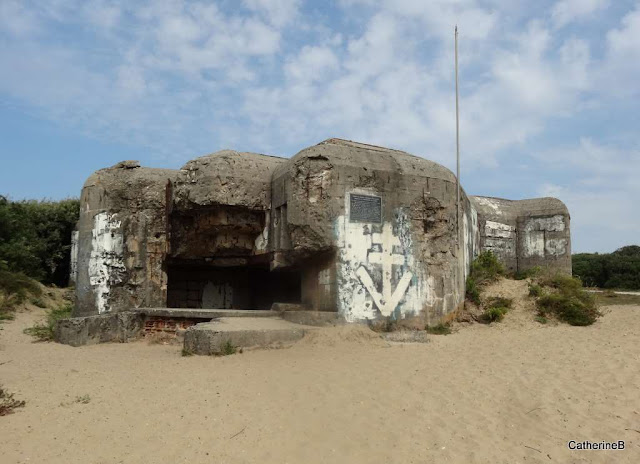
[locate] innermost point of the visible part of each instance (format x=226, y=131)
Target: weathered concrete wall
x=121, y=239
x=227, y=178
x=363, y=231
x=220, y=206
x=526, y=233
x=405, y=263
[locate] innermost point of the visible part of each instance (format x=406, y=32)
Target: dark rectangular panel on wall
x=365, y=208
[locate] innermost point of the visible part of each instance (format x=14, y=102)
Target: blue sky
x=550, y=91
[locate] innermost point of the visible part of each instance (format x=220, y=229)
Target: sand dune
x=507, y=393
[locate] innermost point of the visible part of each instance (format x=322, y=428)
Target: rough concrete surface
x=209, y=338
x=90, y=330
x=364, y=232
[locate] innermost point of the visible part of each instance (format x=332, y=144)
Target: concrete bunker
x=343, y=228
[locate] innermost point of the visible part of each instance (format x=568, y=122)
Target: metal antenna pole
x=457, y=146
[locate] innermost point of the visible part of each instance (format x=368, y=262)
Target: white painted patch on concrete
x=497, y=229
x=377, y=270
x=556, y=246
x=262, y=241
x=106, y=265
x=386, y=257
x=551, y=224
x=73, y=264
x=491, y=203
x=533, y=244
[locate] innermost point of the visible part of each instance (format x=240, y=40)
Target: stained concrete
x=361, y=232
x=526, y=233
x=90, y=330
x=210, y=338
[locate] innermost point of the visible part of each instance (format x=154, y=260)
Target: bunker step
x=313, y=318
x=224, y=335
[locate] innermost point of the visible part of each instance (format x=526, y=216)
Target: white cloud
x=278, y=12
x=567, y=11
x=181, y=78
x=620, y=74
x=313, y=63
x=16, y=19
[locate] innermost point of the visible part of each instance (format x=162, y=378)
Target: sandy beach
x=514, y=392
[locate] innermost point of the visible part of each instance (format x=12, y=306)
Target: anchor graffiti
x=388, y=300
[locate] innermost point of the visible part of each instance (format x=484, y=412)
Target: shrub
x=497, y=307
x=15, y=287
x=39, y=302
x=485, y=269
x=472, y=291
x=228, y=348
x=531, y=272
x=35, y=237
x=541, y=319
x=499, y=302
x=18, y=284
x=568, y=301
x=8, y=403
x=620, y=269
x=493, y=314
x=45, y=331
x=563, y=283
x=439, y=329
x=574, y=309
x=535, y=290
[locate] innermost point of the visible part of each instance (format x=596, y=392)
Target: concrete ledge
x=313, y=318
x=90, y=330
x=209, y=338
x=203, y=313
x=280, y=307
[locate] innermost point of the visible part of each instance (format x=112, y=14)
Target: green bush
x=535, y=290
x=228, y=348
x=620, y=269
x=440, y=329
x=531, y=272
x=15, y=287
x=35, y=238
x=541, y=319
x=485, y=269
x=568, y=301
x=493, y=314
x=45, y=331
x=569, y=308
x=499, y=302
x=496, y=308
x=16, y=283
x=472, y=291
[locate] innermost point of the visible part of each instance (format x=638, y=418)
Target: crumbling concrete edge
x=313, y=318
x=90, y=330
x=209, y=342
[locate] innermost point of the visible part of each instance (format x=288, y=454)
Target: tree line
x=620, y=269
x=35, y=238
